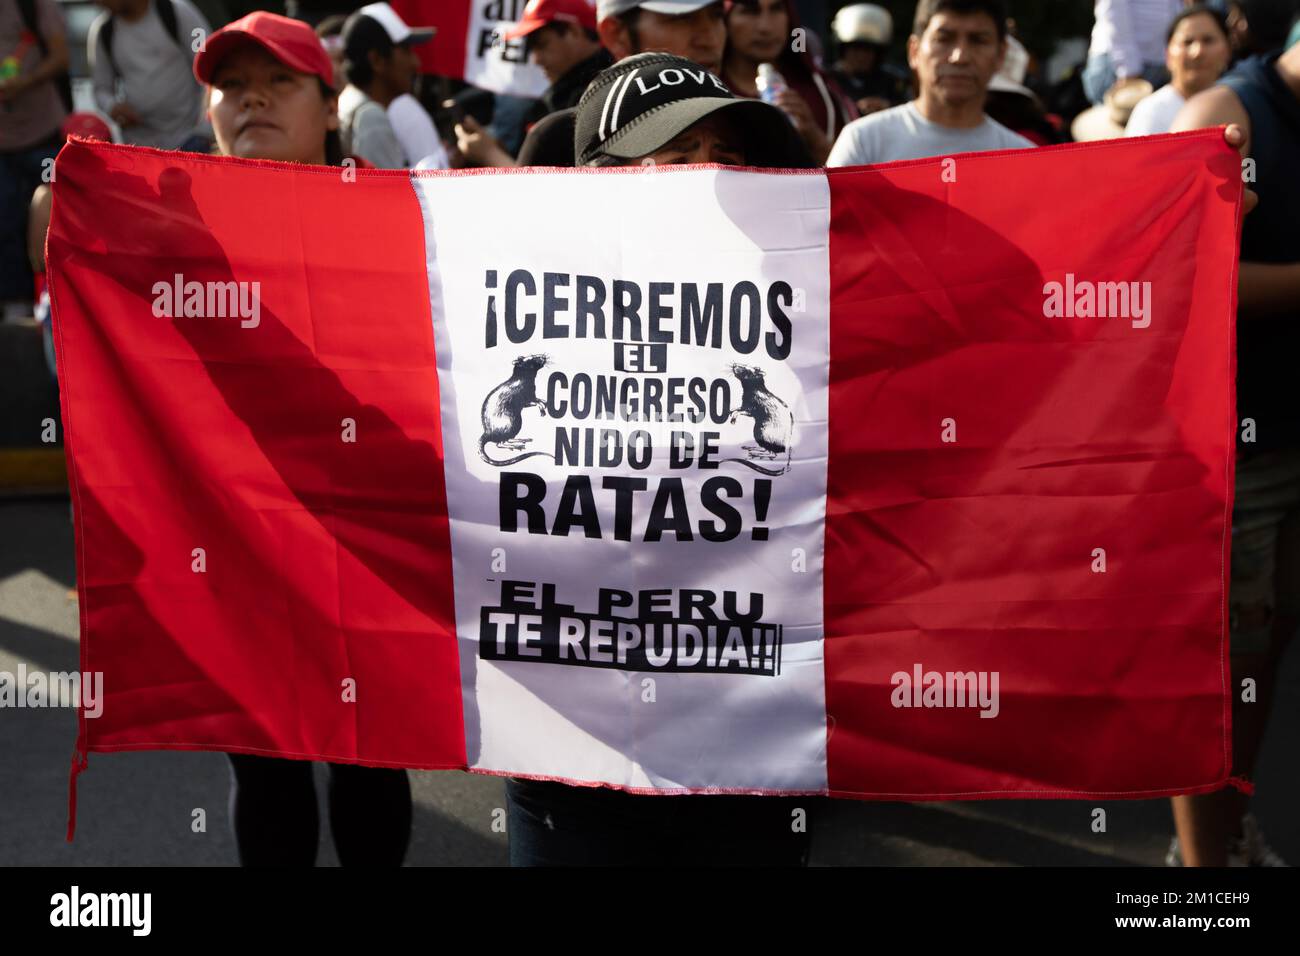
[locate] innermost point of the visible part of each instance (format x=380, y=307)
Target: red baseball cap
x=291, y=42
x=538, y=13
x=87, y=126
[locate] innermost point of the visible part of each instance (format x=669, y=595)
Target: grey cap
x=672, y=8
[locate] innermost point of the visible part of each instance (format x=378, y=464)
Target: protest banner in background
x=470, y=44
x=873, y=482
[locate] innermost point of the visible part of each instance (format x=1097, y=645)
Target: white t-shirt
x=1155, y=113
x=155, y=73
x=418, y=136
x=903, y=133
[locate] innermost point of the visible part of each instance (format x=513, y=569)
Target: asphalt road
x=137, y=808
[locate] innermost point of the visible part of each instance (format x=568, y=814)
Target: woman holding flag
x=272, y=97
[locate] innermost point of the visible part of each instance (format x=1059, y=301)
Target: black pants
x=553, y=824
x=21, y=171
x=273, y=811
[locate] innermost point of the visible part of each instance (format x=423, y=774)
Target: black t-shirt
x=565, y=92
x=550, y=141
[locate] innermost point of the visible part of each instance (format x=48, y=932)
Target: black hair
x=333, y=141
x=1196, y=10
x=926, y=10
x=333, y=148
x=1267, y=23
x=362, y=35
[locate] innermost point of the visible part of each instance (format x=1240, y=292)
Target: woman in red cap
x=271, y=89
x=272, y=97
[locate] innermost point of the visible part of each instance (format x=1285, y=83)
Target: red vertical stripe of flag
x=324, y=561
x=1072, y=434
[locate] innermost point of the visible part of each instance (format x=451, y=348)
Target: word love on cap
x=647, y=82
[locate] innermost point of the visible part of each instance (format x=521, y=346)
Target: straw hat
x=1108, y=120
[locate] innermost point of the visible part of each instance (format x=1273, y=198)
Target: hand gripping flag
x=902, y=482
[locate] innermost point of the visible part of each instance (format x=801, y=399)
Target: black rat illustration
x=773, y=421
x=503, y=410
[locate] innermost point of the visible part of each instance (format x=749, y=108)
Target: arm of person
x=1217, y=106
x=479, y=146
x=51, y=65
x=793, y=105
x=1267, y=288
x=1264, y=289
x=38, y=223
x=1124, y=52
x=54, y=30
x=55, y=33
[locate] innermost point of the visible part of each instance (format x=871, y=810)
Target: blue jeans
x=554, y=824
x=20, y=174
x=1099, y=76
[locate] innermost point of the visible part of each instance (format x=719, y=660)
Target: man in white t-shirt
x=1197, y=51
x=141, y=54
x=955, y=49
x=381, y=67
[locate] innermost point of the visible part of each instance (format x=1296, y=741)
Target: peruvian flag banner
x=470, y=44
x=896, y=482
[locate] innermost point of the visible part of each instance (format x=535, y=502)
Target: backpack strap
x=167, y=14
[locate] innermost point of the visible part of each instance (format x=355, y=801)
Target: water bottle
x=770, y=83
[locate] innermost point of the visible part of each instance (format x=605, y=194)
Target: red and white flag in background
x=470, y=44
x=892, y=482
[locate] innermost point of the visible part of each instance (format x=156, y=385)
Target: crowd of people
x=748, y=85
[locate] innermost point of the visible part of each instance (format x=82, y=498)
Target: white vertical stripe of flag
x=740, y=731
